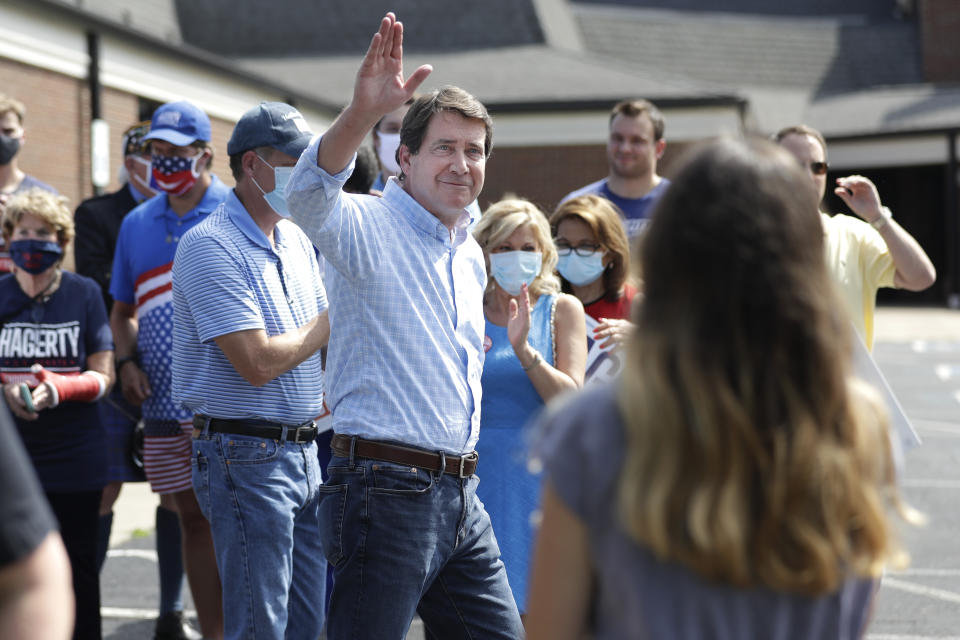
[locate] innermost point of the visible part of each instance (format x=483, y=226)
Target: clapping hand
x=518, y=320
x=614, y=332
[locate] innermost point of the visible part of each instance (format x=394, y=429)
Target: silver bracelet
x=881, y=221
x=537, y=359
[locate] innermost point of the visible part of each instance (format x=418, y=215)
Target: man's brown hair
x=801, y=130
x=448, y=98
x=637, y=108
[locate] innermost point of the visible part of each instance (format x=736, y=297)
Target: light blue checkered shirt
x=406, y=312
x=227, y=278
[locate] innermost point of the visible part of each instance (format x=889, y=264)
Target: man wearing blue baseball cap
x=142, y=323
x=249, y=321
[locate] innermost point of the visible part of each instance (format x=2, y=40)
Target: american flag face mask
x=175, y=174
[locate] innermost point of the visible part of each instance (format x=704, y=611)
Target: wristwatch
x=881, y=220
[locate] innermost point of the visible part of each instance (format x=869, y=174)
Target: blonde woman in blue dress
x=535, y=346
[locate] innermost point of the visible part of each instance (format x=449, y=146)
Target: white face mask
x=146, y=187
x=387, y=151
x=513, y=269
x=276, y=198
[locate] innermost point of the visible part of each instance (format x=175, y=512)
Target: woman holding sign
x=535, y=350
x=56, y=361
x=594, y=265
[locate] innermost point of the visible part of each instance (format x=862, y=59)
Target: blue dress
x=508, y=489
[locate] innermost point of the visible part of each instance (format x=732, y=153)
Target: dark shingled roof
x=873, y=10
x=310, y=27
x=823, y=55
x=533, y=73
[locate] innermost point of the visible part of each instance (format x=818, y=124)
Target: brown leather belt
x=461, y=466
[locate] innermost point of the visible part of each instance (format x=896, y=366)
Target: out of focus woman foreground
x=735, y=482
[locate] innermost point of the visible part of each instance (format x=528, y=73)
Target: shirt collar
x=136, y=195
x=212, y=198
x=422, y=219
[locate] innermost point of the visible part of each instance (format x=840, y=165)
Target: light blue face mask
x=513, y=269
x=581, y=270
x=275, y=198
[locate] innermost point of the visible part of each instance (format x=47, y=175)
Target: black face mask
x=8, y=148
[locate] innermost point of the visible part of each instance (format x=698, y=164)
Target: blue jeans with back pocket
x=261, y=498
x=403, y=540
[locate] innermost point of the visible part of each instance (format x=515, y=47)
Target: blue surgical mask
x=581, y=270
x=513, y=269
x=35, y=256
x=276, y=198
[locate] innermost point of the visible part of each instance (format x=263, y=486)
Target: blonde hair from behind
x=500, y=220
x=606, y=222
x=50, y=208
x=753, y=457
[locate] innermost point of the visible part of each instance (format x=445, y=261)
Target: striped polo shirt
x=228, y=278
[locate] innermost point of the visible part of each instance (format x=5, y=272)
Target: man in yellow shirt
x=863, y=254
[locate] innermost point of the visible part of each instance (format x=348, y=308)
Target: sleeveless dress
x=509, y=488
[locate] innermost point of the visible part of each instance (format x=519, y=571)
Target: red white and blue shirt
x=142, y=276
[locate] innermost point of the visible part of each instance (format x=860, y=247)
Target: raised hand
x=380, y=87
x=861, y=196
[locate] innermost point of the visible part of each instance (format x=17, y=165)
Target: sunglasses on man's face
x=819, y=168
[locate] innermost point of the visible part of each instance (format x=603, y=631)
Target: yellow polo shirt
x=861, y=263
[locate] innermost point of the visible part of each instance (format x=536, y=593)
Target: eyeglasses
x=819, y=168
x=583, y=250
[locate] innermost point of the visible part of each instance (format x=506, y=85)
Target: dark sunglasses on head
x=819, y=168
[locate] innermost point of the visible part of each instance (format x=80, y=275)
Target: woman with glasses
x=594, y=265
x=737, y=480
x=56, y=361
x=535, y=346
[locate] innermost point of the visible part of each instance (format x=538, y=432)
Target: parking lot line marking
x=130, y=613
x=889, y=636
x=921, y=590
x=932, y=573
x=937, y=346
x=145, y=554
x=947, y=371
x=930, y=483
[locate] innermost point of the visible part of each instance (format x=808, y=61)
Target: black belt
x=461, y=466
x=299, y=433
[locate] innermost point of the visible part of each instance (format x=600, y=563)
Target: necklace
x=43, y=296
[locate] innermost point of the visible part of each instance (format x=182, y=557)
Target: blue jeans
x=260, y=497
x=404, y=540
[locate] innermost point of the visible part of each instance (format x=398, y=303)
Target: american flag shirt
x=142, y=268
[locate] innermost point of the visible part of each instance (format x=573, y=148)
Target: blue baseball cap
x=180, y=123
x=271, y=124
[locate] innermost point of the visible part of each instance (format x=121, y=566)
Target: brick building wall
x=939, y=26
x=52, y=148
x=57, y=128
x=544, y=175
x=56, y=149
